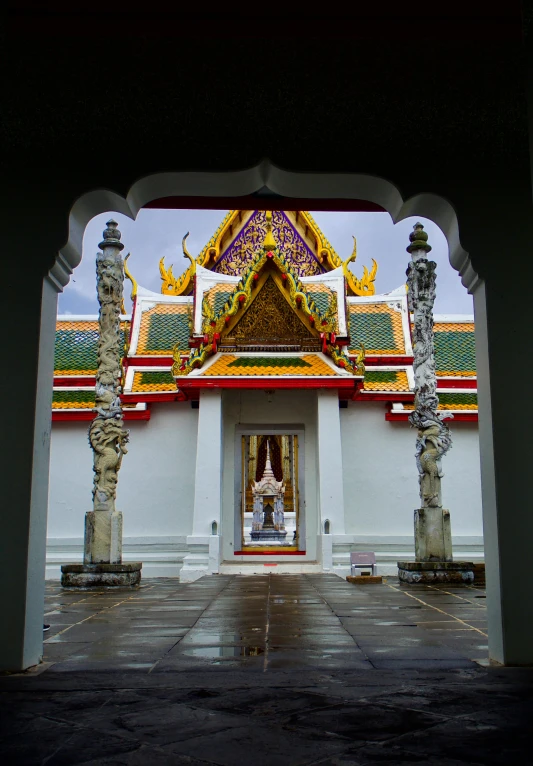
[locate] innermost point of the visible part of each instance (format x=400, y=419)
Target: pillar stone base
x=101, y=575
x=435, y=572
x=103, y=537
x=433, y=535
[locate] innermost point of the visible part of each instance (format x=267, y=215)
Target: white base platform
x=166, y=556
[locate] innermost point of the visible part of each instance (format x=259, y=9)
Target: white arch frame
x=265, y=177
x=268, y=178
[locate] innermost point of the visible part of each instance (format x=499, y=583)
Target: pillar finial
x=418, y=239
x=111, y=236
x=269, y=242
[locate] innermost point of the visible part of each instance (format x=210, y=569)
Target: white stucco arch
x=267, y=178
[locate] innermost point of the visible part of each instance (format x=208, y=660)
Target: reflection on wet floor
x=225, y=651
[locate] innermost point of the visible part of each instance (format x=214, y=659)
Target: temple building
x=267, y=392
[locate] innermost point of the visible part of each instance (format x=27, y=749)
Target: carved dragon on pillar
x=433, y=437
x=107, y=435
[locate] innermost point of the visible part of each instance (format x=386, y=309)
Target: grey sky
x=159, y=232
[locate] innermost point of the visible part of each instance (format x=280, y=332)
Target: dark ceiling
x=101, y=92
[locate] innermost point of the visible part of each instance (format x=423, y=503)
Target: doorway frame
x=275, y=429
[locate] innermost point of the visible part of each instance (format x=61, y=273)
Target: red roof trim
x=390, y=361
x=266, y=383
x=269, y=553
x=149, y=361
x=64, y=415
x=156, y=396
x=75, y=382
x=465, y=417
x=456, y=383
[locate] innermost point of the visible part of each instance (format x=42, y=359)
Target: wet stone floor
x=266, y=670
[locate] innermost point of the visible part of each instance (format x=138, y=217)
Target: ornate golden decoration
x=252, y=459
x=244, y=254
x=331, y=315
x=196, y=359
x=365, y=285
x=269, y=242
x=134, y=285
x=303, y=306
x=208, y=315
x=186, y=254
x=256, y=234
x=286, y=458
x=359, y=361
x=177, y=360
x=181, y=285
x=270, y=318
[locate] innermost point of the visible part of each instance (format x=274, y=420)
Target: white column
x=506, y=452
x=331, y=493
x=504, y=368
x=208, y=476
x=207, y=489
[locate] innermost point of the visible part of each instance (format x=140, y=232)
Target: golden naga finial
x=365, y=285
x=352, y=257
x=269, y=243
x=188, y=255
x=177, y=285
x=133, y=281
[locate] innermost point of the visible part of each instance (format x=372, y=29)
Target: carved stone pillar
x=433, y=538
x=102, y=561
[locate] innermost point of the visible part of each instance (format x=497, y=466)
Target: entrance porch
x=307, y=423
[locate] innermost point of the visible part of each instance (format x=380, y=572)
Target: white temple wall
x=381, y=488
x=156, y=484
x=155, y=490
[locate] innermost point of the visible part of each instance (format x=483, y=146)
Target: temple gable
x=270, y=319
x=241, y=252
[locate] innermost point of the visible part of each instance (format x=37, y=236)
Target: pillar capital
x=111, y=236
x=418, y=239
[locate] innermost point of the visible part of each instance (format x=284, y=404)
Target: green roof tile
x=322, y=300
x=220, y=300
x=81, y=397
x=154, y=378
x=373, y=330
x=455, y=351
x=167, y=330
x=457, y=399
x=380, y=376
x=77, y=349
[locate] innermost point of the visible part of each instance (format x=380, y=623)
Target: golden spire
x=269, y=242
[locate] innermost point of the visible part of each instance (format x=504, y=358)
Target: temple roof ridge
x=231, y=248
